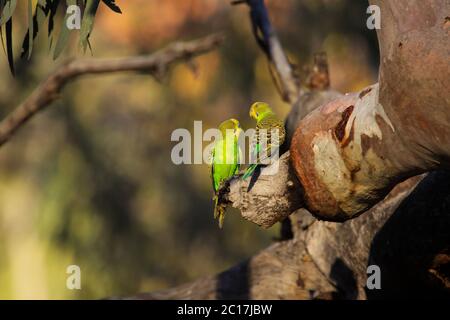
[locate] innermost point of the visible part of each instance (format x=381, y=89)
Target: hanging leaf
x=40, y=15
x=42, y=11
x=112, y=5
x=30, y=27
x=3, y=41
x=2, y=3
x=9, y=45
x=87, y=23
x=64, y=33
x=8, y=11
x=51, y=19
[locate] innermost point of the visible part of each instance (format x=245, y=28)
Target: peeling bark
x=342, y=154
x=272, y=197
x=351, y=152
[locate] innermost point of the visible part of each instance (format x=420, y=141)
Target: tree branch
x=272, y=197
x=276, y=192
x=326, y=260
x=49, y=90
x=282, y=271
x=351, y=151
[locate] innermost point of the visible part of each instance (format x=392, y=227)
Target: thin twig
x=265, y=35
x=49, y=90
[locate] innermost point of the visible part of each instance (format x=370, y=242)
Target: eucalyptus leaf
x=9, y=44
x=2, y=40
x=8, y=11
x=87, y=23
x=30, y=27
x=112, y=5
x=51, y=18
x=64, y=33
x=40, y=15
x=2, y=4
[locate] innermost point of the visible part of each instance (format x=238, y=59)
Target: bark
x=350, y=153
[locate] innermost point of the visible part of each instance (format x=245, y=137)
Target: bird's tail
x=249, y=171
x=219, y=211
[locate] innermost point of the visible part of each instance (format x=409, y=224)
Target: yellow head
x=259, y=110
x=230, y=124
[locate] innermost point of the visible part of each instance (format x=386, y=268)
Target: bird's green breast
x=225, y=160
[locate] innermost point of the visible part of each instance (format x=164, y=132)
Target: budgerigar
x=225, y=161
x=265, y=119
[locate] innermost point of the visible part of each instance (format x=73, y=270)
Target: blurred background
x=90, y=182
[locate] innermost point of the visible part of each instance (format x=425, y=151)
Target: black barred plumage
x=264, y=145
x=270, y=124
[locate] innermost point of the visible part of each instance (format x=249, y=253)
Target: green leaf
x=87, y=23
x=64, y=33
x=3, y=41
x=9, y=45
x=30, y=27
x=8, y=11
x=112, y=5
x=40, y=15
x=51, y=18
x=2, y=3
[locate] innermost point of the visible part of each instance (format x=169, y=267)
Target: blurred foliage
x=46, y=12
x=90, y=180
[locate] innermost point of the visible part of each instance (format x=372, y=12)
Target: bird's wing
x=268, y=145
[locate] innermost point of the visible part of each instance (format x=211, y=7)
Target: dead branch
x=277, y=272
x=326, y=260
x=265, y=35
x=49, y=90
x=272, y=197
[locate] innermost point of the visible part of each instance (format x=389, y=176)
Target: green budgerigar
x=225, y=161
x=265, y=119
